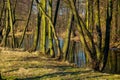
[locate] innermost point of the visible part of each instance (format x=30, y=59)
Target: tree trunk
x=43, y=28
x=50, y=34
x=0, y=77
x=97, y=24
x=25, y=28
x=107, y=35
x=67, y=37
x=1, y=14
x=11, y=23
x=6, y=30
x=56, y=12
x=59, y=55
x=36, y=34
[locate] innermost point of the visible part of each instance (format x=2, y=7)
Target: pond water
x=76, y=54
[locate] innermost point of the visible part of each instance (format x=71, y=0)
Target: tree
x=87, y=39
x=37, y=30
x=43, y=28
x=0, y=77
x=11, y=22
x=6, y=30
x=25, y=28
x=67, y=37
x=50, y=33
x=107, y=35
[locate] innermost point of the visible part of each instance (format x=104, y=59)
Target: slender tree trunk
x=67, y=38
x=13, y=12
x=43, y=28
x=97, y=23
x=6, y=30
x=36, y=34
x=50, y=34
x=25, y=28
x=11, y=23
x=1, y=15
x=91, y=13
x=87, y=14
x=56, y=12
x=116, y=21
x=0, y=77
x=107, y=35
x=59, y=51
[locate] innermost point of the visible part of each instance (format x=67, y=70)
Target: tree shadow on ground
x=96, y=77
x=51, y=75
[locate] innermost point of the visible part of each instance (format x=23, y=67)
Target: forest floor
x=21, y=65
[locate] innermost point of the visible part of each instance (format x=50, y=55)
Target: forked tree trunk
x=87, y=38
x=59, y=51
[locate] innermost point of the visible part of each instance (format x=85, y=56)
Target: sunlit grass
x=33, y=66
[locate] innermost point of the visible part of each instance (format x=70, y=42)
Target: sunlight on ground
x=33, y=66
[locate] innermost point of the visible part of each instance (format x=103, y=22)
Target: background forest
x=83, y=32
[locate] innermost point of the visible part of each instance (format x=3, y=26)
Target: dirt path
x=19, y=65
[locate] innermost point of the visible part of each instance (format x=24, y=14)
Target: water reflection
x=75, y=53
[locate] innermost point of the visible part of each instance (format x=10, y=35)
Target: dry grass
x=32, y=66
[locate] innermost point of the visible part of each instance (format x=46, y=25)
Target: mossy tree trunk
x=50, y=33
x=97, y=24
x=59, y=51
x=43, y=28
x=11, y=23
x=67, y=37
x=86, y=37
x=6, y=30
x=37, y=30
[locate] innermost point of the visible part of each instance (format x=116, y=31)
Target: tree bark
x=43, y=28
x=6, y=30
x=67, y=37
x=11, y=23
x=25, y=28
x=50, y=33
x=107, y=34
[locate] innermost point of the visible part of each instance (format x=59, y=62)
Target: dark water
x=76, y=53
